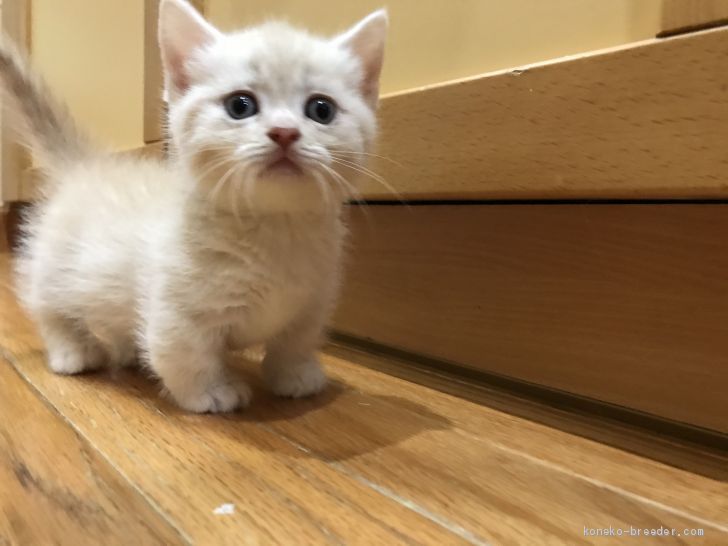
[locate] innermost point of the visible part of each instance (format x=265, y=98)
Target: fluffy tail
x=44, y=126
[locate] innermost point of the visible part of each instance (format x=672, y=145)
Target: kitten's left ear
x=181, y=31
x=366, y=40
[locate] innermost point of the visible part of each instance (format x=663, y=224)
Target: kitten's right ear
x=182, y=30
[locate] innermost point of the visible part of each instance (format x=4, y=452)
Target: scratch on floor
x=424, y=512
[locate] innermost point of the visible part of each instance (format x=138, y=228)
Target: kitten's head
x=271, y=117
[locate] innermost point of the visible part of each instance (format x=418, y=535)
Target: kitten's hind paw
x=217, y=398
x=70, y=358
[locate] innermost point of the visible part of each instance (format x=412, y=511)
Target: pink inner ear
x=178, y=73
x=366, y=41
x=370, y=85
x=181, y=32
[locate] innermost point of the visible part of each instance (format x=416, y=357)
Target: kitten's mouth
x=283, y=165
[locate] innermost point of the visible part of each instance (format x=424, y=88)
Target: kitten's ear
x=181, y=31
x=366, y=40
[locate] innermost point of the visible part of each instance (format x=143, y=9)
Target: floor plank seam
x=282, y=496
x=441, y=521
x=614, y=489
x=313, y=480
x=10, y=359
x=454, y=528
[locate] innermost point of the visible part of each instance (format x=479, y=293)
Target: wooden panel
x=626, y=304
x=649, y=120
x=153, y=79
x=367, y=463
x=13, y=158
x=55, y=485
x=685, y=15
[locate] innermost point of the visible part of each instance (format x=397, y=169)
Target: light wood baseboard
x=675, y=444
x=687, y=15
x=648, y=121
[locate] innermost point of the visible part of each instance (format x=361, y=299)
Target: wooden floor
x=375, y=460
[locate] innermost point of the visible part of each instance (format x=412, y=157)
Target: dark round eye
x=241, y=105
x=321, y=110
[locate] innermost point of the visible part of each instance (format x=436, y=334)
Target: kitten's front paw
x=295, y=380
x=217, y=398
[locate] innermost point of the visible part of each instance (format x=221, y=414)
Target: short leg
x=291, y=367
x=190, y=365
x=121, y=348
x=71, y=347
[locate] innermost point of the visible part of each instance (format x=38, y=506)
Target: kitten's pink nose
x=284, y=136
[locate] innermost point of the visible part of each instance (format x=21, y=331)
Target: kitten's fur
x=173, y=262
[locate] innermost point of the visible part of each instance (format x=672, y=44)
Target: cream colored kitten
x=237, y=239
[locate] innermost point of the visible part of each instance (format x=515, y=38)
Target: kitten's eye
x=241, y=105
x=321, y=110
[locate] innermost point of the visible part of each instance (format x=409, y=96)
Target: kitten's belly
x=269, y=317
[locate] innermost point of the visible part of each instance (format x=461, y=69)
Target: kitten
x=237, y=239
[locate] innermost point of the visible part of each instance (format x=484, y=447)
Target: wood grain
x=686, y=15
x=647, y=120
x=556, y=437
x=55, y=485
x=428, y=469
x=621, y=303
x=360, y=465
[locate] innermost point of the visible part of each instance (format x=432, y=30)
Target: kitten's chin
x=284, y=167
x=282, y=190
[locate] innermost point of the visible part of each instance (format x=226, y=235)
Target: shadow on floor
x=336, y=425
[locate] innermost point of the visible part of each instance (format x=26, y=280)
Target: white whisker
x=224, y=179
x=235, y=188
x=248, y=186
x=374, y=176
x=321, y=184
x=212, y=167
x=366, y=154
x=352, y=190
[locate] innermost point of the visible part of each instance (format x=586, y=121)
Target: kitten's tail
x=44, y=126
